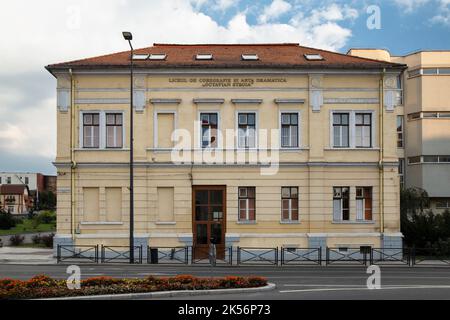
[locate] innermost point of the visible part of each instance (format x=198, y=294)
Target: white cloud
x=410, y=5
x=50, y=31
x=443, y=17
x=274, y=10
x=225, y=4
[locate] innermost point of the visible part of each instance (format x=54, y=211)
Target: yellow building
x=282, y=146
x=423, y=122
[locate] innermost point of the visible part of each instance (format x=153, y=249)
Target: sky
x=38, y=33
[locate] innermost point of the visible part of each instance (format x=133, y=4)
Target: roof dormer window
x=250, y=57
x=140, y=56
x=313, y=57
x=204, y=56
x=158, y=56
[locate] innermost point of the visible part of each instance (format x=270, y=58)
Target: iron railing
x=301, y=256
x=120, y=254
x=430, y=257
x=348, y=256
x=171, y=255
x=78, y=253
x=391, y=256
x=212, y=255
x=257, y=256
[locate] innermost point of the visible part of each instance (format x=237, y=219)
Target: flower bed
x=42, y=286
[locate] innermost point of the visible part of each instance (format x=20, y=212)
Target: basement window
x=313, y=57
x=140, y=56
x=249, y=57
x=204, y=56
x=157, y=56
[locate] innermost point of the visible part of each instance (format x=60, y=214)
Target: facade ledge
x=101, y=149
x=353, y=222
x=290, y=222
x=247, y=222
x=165, y=223
x=351, y=149
x=105, y=223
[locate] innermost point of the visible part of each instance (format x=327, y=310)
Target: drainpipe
x=72, y=157
x=381, y=153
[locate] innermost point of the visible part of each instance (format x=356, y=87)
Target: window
x=247, y=130
x=165, y=204
x=431, y=159
x=414, y=116
x=341, y=137
x=289, y=130
x=204, y=56
x=313, y=57
x=114, y=130
x=443, y=203
x=341, y=203
x=400, y=142
x=363, y=130
x=289, y=204
x=412, y=160
x=399, y=92
x=209, y=123
x=27, y=180
x=164, y=127
x=0, y=180
x=113, y=198
x=140, y=56
x=8, y=180
x=401, y=172
x=247, y=204
x=91, y=130
x=414, y=73
x=432, y=71
x=157, y=56
x=91, y=211
x=249, y=57
x=363, y=203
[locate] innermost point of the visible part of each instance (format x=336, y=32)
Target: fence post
x=320, y=256
x=58, y=253
x=238, y=255
x=327, y=261
x=413, y=258
x=276, y=257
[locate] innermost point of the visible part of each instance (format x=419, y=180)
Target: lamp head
x=127, y=35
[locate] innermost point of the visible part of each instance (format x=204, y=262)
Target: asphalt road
x=293, y=283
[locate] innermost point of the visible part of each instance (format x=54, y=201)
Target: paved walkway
x=19, y=255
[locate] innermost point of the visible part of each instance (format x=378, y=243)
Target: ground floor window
x=289, y=204
x=247, y=204
x=341, y=203
x=363, y=203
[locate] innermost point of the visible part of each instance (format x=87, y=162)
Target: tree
x=47, y=200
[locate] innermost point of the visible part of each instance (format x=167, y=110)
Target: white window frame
x=352, y=129
x=363, y=219
x=155, y=125
x=341, y=204
x=199, y=130
x=247, y=211
x=256, y=129
x=102, y=129
x=290, y=205
x=299, y=140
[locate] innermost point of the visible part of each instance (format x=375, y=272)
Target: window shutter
x=359, y=209
x=337, y=210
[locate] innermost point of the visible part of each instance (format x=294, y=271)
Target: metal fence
x=391, y=256
x=169, y=255
x=301, y=256
x=257, y=256
x=212, y=255
x=78, y=253
x=429, y=256
x=349, y=256
x=120, y=254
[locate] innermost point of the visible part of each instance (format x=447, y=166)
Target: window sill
x=290, y=222
x=247, y=222
x=351, y=149
x=106, y=223
x=165, y=223
x=101, y=149
x=353, y=222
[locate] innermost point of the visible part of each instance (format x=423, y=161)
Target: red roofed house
x=15, y=198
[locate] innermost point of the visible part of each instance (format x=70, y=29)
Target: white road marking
x=360, y=289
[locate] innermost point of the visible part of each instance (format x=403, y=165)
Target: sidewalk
x=15, y=255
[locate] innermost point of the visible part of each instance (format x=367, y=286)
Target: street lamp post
x=128, y=37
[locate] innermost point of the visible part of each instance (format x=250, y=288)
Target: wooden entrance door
x=208, y=217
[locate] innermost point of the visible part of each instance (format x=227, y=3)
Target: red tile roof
x=284, y=55
x=12, y=189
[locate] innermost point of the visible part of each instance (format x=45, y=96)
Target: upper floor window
x=443, y=203
x=341, y=203
x=8, y=180
x=289, y=130
x=364, y=203
x=352, y=129
x=401, y=172
x=363, y=130
x=289, y=204
x=27, y=180
x=400, y=142
x=209, y=123
x=114, y=130
x=91, y=130
x=247, y=204
x=341, y=124
x=247, y=130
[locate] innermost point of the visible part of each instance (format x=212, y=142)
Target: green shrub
x=16, y=240
x=46, y=217
x=7, y=221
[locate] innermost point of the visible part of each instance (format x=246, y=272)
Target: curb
x=167, y=294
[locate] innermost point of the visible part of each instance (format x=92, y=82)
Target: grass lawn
x=27, y=227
